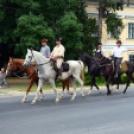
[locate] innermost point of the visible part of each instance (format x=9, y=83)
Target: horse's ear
x=11, y=58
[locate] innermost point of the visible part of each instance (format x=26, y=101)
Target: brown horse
x=15, y=64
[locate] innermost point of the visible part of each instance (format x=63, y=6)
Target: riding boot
x=60, y=74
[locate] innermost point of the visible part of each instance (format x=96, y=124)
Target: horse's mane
x=88, y=56
x=39, y=54
x=18, y=60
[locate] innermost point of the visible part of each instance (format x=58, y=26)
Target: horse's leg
x=91, y=86
x=118, y=83
x=74, y=88
x=32, y=80
x=41, y=91
x=97, y=86
x=63, y=88
x=107, y=84
x=81, y=84
x=67, y=84
x=40, y=84
x=52, y=82
x=128, y=82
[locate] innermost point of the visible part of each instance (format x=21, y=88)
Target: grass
x=21, y=84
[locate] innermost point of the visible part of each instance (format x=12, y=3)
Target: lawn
x=21, y=84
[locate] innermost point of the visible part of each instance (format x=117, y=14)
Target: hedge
x=101, y=80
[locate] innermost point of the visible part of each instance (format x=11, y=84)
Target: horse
x=128, y=72
x=14, y=64
x=96, y=70
x=107, y=69
x=47, y=72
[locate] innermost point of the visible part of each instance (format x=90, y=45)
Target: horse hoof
x=123, y=93
x=100, y=92
x=57, y=100
x=83, y=95
x=71, y=93
x=117, y=91
x=89, y=93
x=41, y=99
x=23, y=101
x=72, y=99
x=60, y=97
x=33, y=102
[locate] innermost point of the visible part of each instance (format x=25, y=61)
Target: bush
x=101, y=80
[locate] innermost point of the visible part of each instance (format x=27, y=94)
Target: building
x=127, y=34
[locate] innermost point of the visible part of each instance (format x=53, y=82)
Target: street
x=95, y=114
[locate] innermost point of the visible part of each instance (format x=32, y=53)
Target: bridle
x=15, y=73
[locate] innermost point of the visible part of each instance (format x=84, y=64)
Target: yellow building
x=127, y=34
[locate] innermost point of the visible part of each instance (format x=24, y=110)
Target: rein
x=26, y=75
x=15, y=74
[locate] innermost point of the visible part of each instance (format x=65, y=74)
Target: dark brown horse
x=106, y=69
x=15, y=64
x=129, y=71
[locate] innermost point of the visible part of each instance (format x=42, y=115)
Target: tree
x=71, y=31
x=24, y=23
x=107, y=9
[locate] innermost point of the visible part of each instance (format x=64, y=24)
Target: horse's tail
x=82, y=71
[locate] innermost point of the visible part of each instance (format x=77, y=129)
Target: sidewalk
x=10, y=92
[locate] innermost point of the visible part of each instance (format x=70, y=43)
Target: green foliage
x=114, y=25
x=24, y=23
x=30, y=30
x=70, y=29
x=100, y=80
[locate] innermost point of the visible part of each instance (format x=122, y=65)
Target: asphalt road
x=95, y=114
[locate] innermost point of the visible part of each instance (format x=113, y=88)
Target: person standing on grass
x=2, y=77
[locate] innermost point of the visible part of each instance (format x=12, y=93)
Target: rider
x=100, y=51
x=58, y=55
x=117, y=54
x=45, y=49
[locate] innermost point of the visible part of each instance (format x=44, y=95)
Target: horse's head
x=85, y=58
x=11, y=66
x=29, y=58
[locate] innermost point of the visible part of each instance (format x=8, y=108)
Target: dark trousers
x=117, y=62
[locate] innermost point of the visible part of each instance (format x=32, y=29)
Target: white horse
x=46, y=72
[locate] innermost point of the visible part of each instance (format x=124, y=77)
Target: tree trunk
x=100, y=17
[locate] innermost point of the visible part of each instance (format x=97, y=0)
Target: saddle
x=123, y=67
x=65, y=66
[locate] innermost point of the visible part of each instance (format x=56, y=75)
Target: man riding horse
x=117, y=53
x=58, y=55
x=99, y=52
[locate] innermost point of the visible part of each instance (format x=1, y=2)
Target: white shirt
x=118, y=51
x=58, y=50
x=102, y=52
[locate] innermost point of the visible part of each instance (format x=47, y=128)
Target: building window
x=131, y=57
x=111, y=35
x=131, y=30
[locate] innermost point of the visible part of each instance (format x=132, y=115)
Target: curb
x=8, y=92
